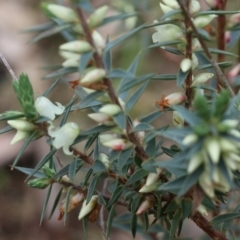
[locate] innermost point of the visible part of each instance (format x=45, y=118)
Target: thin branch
x=218, y=71
x=99, y=63
x=5, y=62
x=203, y=223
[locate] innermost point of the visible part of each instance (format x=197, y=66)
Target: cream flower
x=47, y=109
x=64, y=136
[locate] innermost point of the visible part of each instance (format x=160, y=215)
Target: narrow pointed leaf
x=110, y=219
x=66, y=204
x=137, y=176
x=136, y=95
x=55, y=204
x=45, y=204
x=84, y=60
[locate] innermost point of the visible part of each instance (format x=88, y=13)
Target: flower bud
x=212, y=3
x=145, y=205
x=99, y=41
x=203, y=21
x=110, y=109
x=48, y=171
x=105, y=160
x=97, y=17
x=39, y=183
x=165, y=8
x=118, y=144
x=64, y=136
x=234, y=19
x=178, y=120
x=172, y=4
x=102, y=118
x=64, y=13
x=213, y=149
x=167, y=32
x=149, y=188
x=140, y=134
x=69, y=55
x=47, y=109
x=20, y=135
x=186, y=64
x=87, y=208
x=74, y=201
x=190, y=139
x=202, y=209
x=93, y=76
x=227, y=145
x=76, y=46
x=176, y=98
x=107, y=137
x=206, y=184
x=72, y=62
x=234, y=133
x=230, y=123
x=201, y=78
x=234, y=72
x=22, y=125
x=195, y=44
x=195, y=161
x=194, y=61
x=153, y=177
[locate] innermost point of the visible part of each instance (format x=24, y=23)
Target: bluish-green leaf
x=120, y=120
x=6, y=129
x=112, y=44
x=224, y=218
x=135, y=96
x=29, y=171
x=165, y=77
x=134, y=225
x=118, y=17
x=60, y=72
x=45, y=204
x=93, y=184
x=84, y=60
x=119, y=73
x=181, y=77
x=110, y=219
x=173, y=42
x=175, y=224
x=55, y=204
x=142, y=126
x=150, y=117
x=186, y=208
x=66, y=204
x=115, y=196
x=124, y=156
x=137, y=176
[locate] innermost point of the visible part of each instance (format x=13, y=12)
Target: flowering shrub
x=203, y=166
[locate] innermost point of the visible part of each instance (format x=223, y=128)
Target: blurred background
x=21, y=206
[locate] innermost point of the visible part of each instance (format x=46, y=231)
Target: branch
x=203, y=223
x=99, y=63
x=5, y=62
x=218, y=71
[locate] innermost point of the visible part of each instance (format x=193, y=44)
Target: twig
x=99, y=63
x=203, y=223
x=218, y=71
x=5, y=62
x=188, y=54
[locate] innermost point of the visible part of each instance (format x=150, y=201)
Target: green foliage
x=118, y=159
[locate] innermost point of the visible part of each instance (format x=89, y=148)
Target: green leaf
x=165, y=77
x=112, y=44
x=38, y=28
x=84, y=61
x=88, y=100
x=202, y=107
x=42, y=162
x=224, y=218
x=29, y=171
x=120, y=73
x=173, y=50
x=186, y=208
x=207, y=202
x=113, y=185
x=98, y=167
x=101, y=200
x=55, y=204
x=52, y=86
x=94, y=130
x=60, y=72
x=181, y=77
x=89, y=142
x=107, y=57
x=6, y=129
x=115, y=196
x=159, y=23
x=137, y=176
x=217, y=51
x=173, y=186
x=175, y=223
x=123, y=157
x=66, y=113
x=72, y=169
x=98, y=177
x=23, y=148
x=45, y=204
x=221, y=103
x=142, y=126
x=135, y=96
x=221, y=65
x=118, y=17
x=146, y=221
x=151, y=148
x=150, y=117
x=149, y=165
x=120, y=120
x=217, y=12
x=134, y=225
x=85, y=227
x=110, y=219
x=173, y=42
x=133, y=82
x=136, y=203
x=66, y=204
x=227, y=224
x=88, y=175
x=11, y=115
x=54, y=30
x=97, y=150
